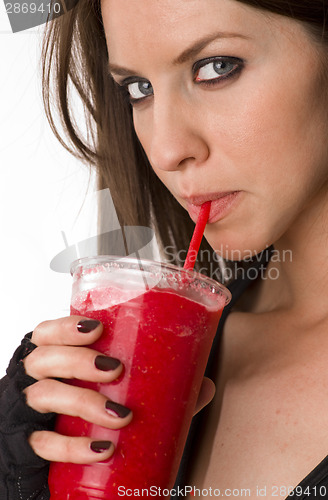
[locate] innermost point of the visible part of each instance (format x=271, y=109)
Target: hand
x=62, y=352
x=206, y=394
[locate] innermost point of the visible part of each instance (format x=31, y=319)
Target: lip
x=221, y=203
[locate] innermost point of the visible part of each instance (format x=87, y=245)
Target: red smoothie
x=163, y=337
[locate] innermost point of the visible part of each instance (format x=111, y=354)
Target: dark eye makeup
x=207, y=72
x=213, y=70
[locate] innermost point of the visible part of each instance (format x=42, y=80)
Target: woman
x=221, y=100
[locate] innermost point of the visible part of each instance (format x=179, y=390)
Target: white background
x=42, y=188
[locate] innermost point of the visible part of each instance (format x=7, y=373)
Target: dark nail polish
x=117, y=410
x=87, y=325
x=106, y=364
x=100, y=446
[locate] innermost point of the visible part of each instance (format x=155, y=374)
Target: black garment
x=23, y=475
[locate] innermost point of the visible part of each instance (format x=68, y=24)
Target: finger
x=70, y=330
x=50, y=395
x=77, y=450
x=206, y=394
x=72, y=362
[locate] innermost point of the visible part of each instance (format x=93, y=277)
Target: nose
x=177, y=138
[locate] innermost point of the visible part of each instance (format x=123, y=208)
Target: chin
x=235, y=247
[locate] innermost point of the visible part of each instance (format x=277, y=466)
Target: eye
x=216, y=69
x=138, y=90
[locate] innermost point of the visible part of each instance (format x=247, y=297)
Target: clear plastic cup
x=160, y=321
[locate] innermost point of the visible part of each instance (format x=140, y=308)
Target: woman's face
x=229, y=104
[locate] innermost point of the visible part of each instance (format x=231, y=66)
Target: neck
x=296, y=277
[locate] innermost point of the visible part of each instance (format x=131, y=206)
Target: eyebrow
x=186, y=55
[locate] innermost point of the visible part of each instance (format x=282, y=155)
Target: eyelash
x=236, y=61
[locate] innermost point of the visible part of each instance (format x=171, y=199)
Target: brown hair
x=75, y=54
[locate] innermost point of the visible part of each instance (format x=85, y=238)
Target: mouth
x=221, y=203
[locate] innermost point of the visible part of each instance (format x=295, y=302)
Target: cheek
x=142, y=123
x=276, y=134
x=275, y=148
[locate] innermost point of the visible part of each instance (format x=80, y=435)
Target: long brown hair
x=75, y=54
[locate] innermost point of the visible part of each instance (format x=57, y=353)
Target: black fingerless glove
x=23, y=475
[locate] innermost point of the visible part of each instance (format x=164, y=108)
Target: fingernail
x=117, y=410
x=106, y=363
x=100, y=446
x=87, y=325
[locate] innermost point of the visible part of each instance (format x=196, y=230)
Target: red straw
x=197, y=236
